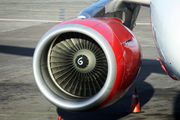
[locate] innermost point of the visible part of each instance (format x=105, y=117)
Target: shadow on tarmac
x=177, y=107
x=14, y=50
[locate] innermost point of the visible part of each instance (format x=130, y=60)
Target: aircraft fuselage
x=165, y=16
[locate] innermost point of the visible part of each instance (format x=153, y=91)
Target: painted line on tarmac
x=28, y=20
x=53, y=21
x=86, y=1
x=143, y=23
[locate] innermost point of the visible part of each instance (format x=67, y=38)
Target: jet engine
x=86, y=64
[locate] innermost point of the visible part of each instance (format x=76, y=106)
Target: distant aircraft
x=89, y=62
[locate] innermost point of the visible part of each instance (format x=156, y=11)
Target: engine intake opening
x=77, y=65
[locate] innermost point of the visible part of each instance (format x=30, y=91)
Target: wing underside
x=143, y=2
x=126, y=10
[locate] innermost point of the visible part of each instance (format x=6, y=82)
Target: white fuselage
x=165, y=19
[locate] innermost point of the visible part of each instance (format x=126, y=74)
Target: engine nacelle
x=86, y=64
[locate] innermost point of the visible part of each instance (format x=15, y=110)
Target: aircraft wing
x=126, y=10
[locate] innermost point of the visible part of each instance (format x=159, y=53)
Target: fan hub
x=84, y=60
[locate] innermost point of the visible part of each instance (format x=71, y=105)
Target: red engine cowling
x=86, y=64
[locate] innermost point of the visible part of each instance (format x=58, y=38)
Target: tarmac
x=24, y=22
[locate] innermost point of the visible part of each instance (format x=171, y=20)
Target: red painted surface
x=126, y=49
x=128, y=57
x=164, y=68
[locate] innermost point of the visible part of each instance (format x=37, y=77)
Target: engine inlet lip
x=83, y=104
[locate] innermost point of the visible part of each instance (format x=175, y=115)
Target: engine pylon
x=135, y=105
